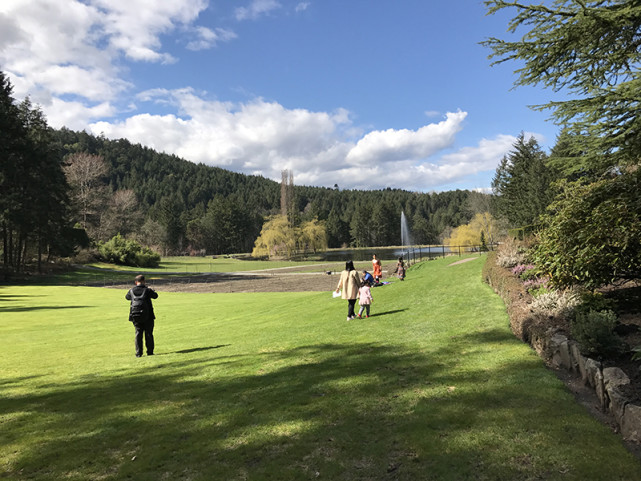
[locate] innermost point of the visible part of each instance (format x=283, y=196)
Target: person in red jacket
x=377, y=269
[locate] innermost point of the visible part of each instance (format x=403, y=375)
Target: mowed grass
x=278, y=386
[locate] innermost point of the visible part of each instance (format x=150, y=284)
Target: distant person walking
x=400, y=269
x=377, y=269
x=350, y=282
x=141, y=314
x=365, y=299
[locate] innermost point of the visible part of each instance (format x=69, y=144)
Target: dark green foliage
x=594, y=331
x=595, y=301
x=119, y=250
x=33, y=189
x=592, y=233
x=590, y=49
x=226, y=227
x=423, y=232
x=522, y=183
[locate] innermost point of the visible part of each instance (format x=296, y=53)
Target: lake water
x=413, y=254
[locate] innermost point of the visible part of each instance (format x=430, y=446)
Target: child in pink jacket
x=365, y=299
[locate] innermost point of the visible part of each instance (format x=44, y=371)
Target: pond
x=414, y=254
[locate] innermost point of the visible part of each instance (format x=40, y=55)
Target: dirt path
x=274, y=280
x=462, y=261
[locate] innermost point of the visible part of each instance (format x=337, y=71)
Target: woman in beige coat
x=350, y=283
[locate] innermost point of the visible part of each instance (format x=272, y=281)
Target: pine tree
x=589, y=49
x=522, y=183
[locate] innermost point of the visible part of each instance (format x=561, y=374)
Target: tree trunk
x=39, y=254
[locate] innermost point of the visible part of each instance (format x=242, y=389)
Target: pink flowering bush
x=519, y=269
x=535, y=284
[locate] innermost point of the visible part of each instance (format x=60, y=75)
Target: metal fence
x=414, y=254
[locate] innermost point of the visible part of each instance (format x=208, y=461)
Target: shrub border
x=548, y=336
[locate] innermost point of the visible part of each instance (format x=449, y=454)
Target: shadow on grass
x=18, y=380
x=40, y=308
x=332, y=411
x=384, y=313
x=10, y=297
x=196, y=349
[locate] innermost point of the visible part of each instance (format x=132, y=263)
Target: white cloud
x=396, y=145
x=134, y=26
x=263, y=138
x=207, y=38
x=59, y=47
x=76, y=115
x=302, y=6
x=70, y=56
x=256, y=9
x=485, y=156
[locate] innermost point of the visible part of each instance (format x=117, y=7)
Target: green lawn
x=279, y=387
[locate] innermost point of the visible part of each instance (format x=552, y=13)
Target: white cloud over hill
x=72, y=58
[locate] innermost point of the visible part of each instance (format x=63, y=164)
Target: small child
x=400, y=269
x=365, y=299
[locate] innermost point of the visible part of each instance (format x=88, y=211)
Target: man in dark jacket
x=141, y=313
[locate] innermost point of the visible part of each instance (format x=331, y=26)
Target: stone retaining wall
x=564, y=353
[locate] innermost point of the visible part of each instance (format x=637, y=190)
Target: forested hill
x=187, y=199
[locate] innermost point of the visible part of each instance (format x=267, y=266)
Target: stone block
x=618, y=403
x=564, y=354
x=600, y=390
x=578, y=361
x=614, y=376
x=592, y=367
x=631, y=423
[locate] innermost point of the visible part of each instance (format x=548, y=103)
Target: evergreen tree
x=33, y=190
x=337, y=230
x=360, y=226
x=12, y=148
x=385, y=225
x=590, y=48
x=522, y=183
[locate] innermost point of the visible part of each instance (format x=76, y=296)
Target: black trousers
x=350, y=307
x=146, y=330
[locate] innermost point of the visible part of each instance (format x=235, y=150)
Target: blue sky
x=363, y=94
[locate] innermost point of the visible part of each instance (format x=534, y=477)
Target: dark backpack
x=138, y=309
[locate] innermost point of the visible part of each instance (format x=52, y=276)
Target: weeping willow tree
x=312, y=236
x=278, y=238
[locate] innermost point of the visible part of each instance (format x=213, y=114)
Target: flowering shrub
x=556, y=303
x=538, y=291
x=529, y=274
x=509, y=254
x=536, y=283
x=519, y=269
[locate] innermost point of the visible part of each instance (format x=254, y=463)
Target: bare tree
x=85, y=174
x=123, y=216
x=287, y=194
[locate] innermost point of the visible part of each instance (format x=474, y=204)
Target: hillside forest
x=63, y=190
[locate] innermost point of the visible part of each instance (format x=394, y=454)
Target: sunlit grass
x=278, y=386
